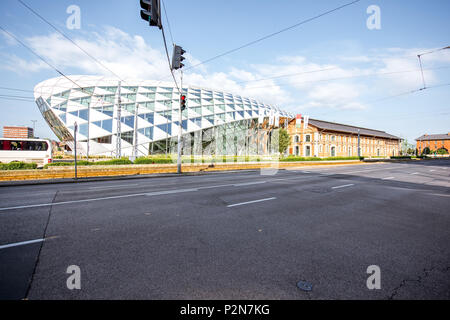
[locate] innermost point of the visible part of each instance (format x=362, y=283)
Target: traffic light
x=151, y=12
x=183, y=102
x=177, y=57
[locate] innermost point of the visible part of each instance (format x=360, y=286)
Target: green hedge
x=146, y=160
x=15, y=165
x=400, y=157
x=294, y=158
x=111, y=162
x=89, y=163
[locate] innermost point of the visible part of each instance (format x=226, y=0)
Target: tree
x=426, y=151
x=442, y=151
x=284, y=140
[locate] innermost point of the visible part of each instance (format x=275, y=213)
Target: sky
x=332, y=68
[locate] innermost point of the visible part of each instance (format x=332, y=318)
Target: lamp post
x=75, y=128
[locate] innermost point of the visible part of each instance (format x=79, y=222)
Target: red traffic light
x=183, y=98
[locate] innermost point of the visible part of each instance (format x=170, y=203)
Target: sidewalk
x=100, y=173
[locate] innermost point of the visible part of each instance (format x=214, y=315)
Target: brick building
x=17, y=132
x=329, y=139
x=433, y=141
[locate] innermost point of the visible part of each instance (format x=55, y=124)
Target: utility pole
x=359, y=151
x=180, y=126
x=119, y=133
x=88, y=125
x=135, y=140
x=75, y=129
x=34, y=127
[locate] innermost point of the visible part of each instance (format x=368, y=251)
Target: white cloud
x=336, y=85
x=8, y=38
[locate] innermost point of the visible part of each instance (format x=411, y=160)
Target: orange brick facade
x=17, y=132
x=433, y=144
x=314, y=142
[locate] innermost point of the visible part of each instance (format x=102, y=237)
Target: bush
x=16, y=165
x=89, y=163
x=146, y=160
x=442, y=151
x=111, y=162
x=294, y=158
x=400, y=157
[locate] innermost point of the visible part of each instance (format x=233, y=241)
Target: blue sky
x=369, y=72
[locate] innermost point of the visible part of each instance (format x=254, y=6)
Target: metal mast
x=119, y=132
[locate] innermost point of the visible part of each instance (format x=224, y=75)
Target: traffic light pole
x=180, y=128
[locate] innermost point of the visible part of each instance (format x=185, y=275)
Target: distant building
x=434, y=142
x=17, y=132
x=328, y=139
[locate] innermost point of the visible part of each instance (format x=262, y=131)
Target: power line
x=273, y=34
x=393, y=96
x=68, y=38
x=45, y=61
x=288, y=75
x=14, y=96
x=15, y=89
x=168, y=23
x=168, y=60
x=346, y=77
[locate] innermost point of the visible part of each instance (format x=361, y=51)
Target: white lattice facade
x=149, y=112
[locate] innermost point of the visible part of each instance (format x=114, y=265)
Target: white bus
x=27, y=150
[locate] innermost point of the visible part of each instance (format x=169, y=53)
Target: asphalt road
x=240, y=235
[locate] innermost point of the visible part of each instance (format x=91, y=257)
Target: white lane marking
x=73, y=201
x=432, y=170
x=439, y=195
x=217, y=186
x=115, y=186
x=415, y=173
x=249, y=183
x=343, y=186
x=248, y=202
x=20, y=243
x=158, y=193
x=388, y=178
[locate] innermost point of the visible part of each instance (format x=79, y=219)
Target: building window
x=296, y=139
x=307, y=138
x=106, y=139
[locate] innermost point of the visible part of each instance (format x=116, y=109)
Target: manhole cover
x=305, y=286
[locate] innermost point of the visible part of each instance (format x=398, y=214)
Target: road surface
x=238, y=235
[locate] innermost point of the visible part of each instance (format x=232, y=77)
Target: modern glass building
x=141, y=117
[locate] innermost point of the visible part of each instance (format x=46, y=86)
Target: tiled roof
x=331, y=126
x=434, y=137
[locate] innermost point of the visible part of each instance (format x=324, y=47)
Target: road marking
x=343, y=186
x=16, y=244
x=116, y=186
x=217, y=186
x=440, y=195
x=248, y=202
x=158, y=193
x=432, y=170
x=388, y=178
x=249, y=183
x=415, y=173
x=73, y=201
